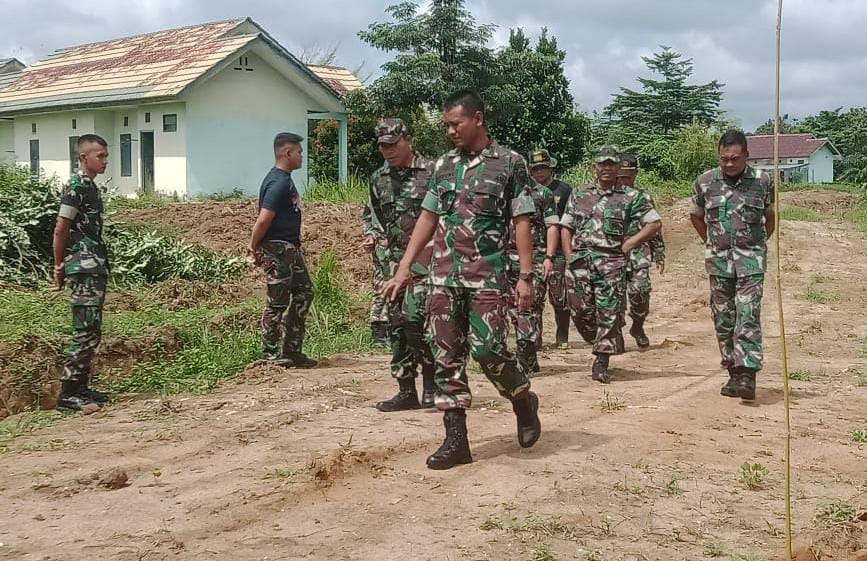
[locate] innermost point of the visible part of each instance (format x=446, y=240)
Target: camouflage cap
x=389, y=131
x=628, y=161
x=541, y=158
x=607, y=153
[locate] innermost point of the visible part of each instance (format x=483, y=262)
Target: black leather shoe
x=94, y=395
x=637, y=332
x=404, y=400
x=75, y=402
x=300, y=360
x=600, y=369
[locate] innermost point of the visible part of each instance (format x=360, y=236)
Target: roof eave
x=85, y=105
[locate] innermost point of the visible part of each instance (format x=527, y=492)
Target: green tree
x=438, y=51
x=694, y=150
x=787, y=126
x=847, y=130
x=531, y=103
x=670, y=103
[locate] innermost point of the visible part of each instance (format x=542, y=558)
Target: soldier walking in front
x=275, y=244
x=732, y=211
x=596, y=240
x=638, y=284
x=476, y=190
x=542, y=167
x=81, y=261
x=397, y=191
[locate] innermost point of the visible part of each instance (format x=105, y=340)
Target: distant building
x=189, y=111
x=803, y=159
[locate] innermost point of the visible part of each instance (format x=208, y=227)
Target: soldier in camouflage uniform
x=374, y=244
x=475, y=191
x=396, y=194
x=81, y=260
x=596, y=241
x=275, y=244
x=542, y=167
x=545, y=233
x=732, y=211
x=638, y=285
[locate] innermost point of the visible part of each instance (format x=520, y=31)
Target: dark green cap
x=607, y=152
x=628, y=161
x=542, y=158
x=389, y=131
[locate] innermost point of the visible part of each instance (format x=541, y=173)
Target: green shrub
x=355, y=190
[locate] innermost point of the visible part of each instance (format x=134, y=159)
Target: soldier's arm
x=643, y=210
x=422, y=233
x=567, y=226
x=696, y=211
x=61, y=240
x=260, y=228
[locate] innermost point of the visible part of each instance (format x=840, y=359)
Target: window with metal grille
x=170, y=123
x=73, y=153
x=126, y=155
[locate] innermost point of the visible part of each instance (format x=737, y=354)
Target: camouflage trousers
x=379, y=307
x=558, y=285
x=86, y=297
x=466, y=321
x=596, y=301
x=528, y=324
x=638, y=292
x=736, y=304
x=290, y=293
x=410, y=348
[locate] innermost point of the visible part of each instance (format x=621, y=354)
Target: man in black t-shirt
x=542, y=169
x=276, y=246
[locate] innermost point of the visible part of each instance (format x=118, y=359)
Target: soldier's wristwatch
x=525, y=275
x=551, y=257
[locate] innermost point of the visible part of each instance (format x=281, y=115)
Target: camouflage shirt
x=734, y=213
x=652, y=251
x=545, y=215
x=82, y=204
x=476, y=198
x=395, y=202
x=600, y=220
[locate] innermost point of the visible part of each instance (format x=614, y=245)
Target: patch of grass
x=594, y=555
x=739, y=557
x=861, y=378
x=672, y=488
x=611, y=403
x=859, y=436
x=858, y=214
x=25, y=423
x=799, y=214
x=817, y=295
x=713, y=549
x=355, y=190
x=836, y=511
x=282, y=473
x=531, y=527
x=542, y=553
x=800, y=375
x=116, y=202
x=752, y=475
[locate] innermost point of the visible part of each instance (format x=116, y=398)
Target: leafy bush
x=28, y=211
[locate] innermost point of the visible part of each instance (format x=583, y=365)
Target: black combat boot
x=731, y=387
x=456, y=447
x=71, y=396
x=94, y=395
x=429, y=390
x=405, y=399
x=379, y=334
x=746, y=384
x=526, y=408
x=637, y=332
x=300, y=360
x=561, y=318
x=600, y=369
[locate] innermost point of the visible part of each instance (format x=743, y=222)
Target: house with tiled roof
x=803, y=158
x=185, y=111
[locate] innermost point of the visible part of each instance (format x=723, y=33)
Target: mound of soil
x=225, y=226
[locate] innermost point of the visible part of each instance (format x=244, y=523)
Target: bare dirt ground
x=284, y=465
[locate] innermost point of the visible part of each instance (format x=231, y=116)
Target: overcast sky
x=824, y=41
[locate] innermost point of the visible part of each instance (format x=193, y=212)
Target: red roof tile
x=761, y=147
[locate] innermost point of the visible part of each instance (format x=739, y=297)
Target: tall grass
x=355, y=190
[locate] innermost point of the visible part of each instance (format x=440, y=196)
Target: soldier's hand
x=525, y=297
x=392, y=288
x=627, y=247
x=254, y=253
x=368, y=244
x=547, y=268
x=660, y=267
x=59, y=277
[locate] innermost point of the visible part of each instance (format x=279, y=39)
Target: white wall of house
x=7, y=141
x=231, y=122
x=822, y=166
x=52, y=131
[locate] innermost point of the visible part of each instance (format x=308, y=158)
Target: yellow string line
x=779, y=285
